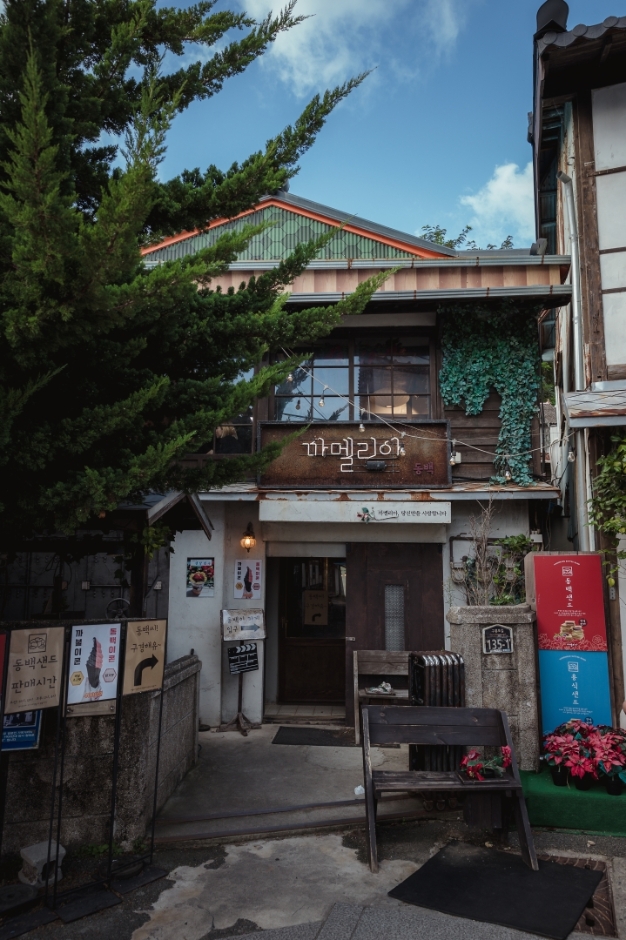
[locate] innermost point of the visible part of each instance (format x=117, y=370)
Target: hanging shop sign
x=244, y=658
x=243, y=624
x=34, y=669
x=569, y=595
x=144, y=656
x=93, y=669
x=21, y=731
x=340, y=454
x=364, y=512
x=200, y=577
x=248, y=583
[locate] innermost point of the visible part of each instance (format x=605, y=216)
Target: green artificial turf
x=591, y=811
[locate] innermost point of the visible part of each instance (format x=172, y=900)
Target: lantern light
x=248, y=541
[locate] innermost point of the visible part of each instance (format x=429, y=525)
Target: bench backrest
x=467, y=727
x=381, y=663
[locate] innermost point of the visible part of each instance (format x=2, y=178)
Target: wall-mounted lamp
x=248, y=541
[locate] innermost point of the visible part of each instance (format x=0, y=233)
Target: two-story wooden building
x=357, y=522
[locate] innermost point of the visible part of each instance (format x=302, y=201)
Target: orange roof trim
x=354, y=229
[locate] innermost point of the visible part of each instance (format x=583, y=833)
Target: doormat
x=315, y=737
x=498, y=888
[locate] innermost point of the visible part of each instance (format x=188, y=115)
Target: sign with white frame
x=243, y=624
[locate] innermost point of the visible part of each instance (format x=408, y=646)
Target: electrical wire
x=403, y=433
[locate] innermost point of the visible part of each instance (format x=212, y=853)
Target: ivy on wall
x=608, y=506
x=495, y=347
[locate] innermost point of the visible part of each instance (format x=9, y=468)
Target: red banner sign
x=570, y=602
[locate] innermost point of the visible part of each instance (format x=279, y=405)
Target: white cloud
x=504, y=206
x=343, y=37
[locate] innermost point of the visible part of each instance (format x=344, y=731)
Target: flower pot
x=614, y=786
x=559, y=775
x=584, y=783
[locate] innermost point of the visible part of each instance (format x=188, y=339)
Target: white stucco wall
x=511, y=518
x=194, y=622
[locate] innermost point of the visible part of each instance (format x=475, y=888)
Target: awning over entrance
x=604, y=405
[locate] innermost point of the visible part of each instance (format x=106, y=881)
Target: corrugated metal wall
x=288, y=230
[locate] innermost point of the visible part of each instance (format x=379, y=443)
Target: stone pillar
x=504, y=680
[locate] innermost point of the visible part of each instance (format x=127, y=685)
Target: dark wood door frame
x=370, y=567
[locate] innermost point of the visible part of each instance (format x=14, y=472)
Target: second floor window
x=366, y=379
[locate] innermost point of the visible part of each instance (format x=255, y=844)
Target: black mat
x=316, y=737
x=498, y=888
x=90, y=902
x=18, y=926
x=145, y=877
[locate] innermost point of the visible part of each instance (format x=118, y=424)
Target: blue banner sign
x=574, y=685
x=21, y=731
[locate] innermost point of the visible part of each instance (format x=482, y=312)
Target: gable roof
x=296, y=220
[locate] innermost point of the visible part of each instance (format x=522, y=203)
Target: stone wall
x=505, y=681
x=88, y=765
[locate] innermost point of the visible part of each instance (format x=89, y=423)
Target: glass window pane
x=373, y=352
x=233, y=439
x=333, y=409
x=336, y=380
x=408, y=351
x=411, y=379
x=299, y=384
x=394, y=617
x=336, y=355
x=419, y=406
x=292, y=409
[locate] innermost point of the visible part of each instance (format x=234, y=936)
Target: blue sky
x=435, y=135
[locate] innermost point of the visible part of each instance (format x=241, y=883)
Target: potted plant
x=476, y=767
x=557, y=749
x=609, y=754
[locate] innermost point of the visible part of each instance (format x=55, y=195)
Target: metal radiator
x=436, y=679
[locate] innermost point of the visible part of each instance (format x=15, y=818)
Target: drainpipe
x=582, y=507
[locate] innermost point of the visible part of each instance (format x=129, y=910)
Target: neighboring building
x=578, y=132
x=358, y=520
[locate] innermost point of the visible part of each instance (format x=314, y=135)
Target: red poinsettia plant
x=584, y=749
x=477, y=768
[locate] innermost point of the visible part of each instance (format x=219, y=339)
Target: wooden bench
x=467, y=727
x=370, y=668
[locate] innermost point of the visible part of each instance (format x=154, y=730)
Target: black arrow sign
x=144, y=665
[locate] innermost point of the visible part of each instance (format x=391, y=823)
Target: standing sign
x=244, y=658
x=35, y=666
x=93, y=667
x=571, y=635
x=21, y=731
x=570, y=603
x=144, y=660
x=243, y=624
x=248, y=578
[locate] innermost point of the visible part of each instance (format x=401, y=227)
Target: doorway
x=395, y=601
x=312, y=630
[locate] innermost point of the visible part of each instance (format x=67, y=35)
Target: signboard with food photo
x=200, y=577
x=248, y=579
x=94, y=664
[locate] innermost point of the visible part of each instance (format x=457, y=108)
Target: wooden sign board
x=497, y=639
x=244, y=658
x=35, y=666
x=144, y=659
x=243, y=624
x=340, y=455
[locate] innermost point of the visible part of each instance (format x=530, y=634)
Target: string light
x=508, y=476
x=298, y=405
x=402, y=451
x=571, y=457
x=362, y=428
x=422, y=437
x=290, y=377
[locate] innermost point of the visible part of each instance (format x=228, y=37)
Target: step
x=341, y=922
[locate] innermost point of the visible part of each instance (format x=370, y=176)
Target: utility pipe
x=582, y=506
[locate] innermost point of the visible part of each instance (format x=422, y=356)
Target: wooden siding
x=479, y=430
x=419, y=278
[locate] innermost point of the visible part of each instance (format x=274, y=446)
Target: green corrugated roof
x=277, y=242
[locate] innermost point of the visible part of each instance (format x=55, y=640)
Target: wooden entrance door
x=394, y=601
x=311, y=653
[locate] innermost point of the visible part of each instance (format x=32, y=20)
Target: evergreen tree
x=111, y=372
